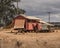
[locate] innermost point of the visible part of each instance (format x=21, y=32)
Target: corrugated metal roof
x=46, y=23
x=30, y=17
x=35, y=18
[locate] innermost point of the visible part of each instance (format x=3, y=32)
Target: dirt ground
x=29, y=40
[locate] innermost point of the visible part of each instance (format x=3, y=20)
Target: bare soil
x=29, y=40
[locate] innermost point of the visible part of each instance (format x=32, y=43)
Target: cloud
x=41, y=7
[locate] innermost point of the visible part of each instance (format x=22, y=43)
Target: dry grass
x=29, y=40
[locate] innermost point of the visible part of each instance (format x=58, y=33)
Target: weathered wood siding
x=19, y=23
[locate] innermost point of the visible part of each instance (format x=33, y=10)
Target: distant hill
x=56, y=24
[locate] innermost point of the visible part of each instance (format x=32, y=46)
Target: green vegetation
x=8, y=11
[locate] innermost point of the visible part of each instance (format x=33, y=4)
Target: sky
x=39, y=8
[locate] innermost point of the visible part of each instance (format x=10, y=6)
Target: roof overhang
x=46, y=23
x=30, y=17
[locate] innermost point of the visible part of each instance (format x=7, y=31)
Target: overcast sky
x=40, y=8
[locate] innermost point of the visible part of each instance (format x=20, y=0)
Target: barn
x=27, y=23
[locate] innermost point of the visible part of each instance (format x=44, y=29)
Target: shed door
x=19, y=23
x=39, y=26
x=29, y=26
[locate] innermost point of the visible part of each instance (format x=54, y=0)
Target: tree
x=8, y=10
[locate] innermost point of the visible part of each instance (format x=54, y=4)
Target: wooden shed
x=28, y=23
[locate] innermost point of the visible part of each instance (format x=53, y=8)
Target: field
x=29, y=40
